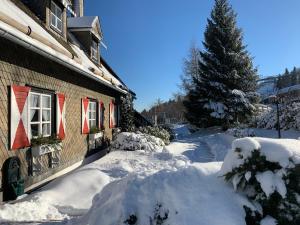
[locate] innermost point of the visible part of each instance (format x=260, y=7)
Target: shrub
x=269, y=174
x=170, y=131
x=160, y=216
x=157, y=132
x=94, y=130
x=289, y=117
x=129, y=141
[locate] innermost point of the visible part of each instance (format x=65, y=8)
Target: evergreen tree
x=127, y=113
x=226, y=74
x=294, y=76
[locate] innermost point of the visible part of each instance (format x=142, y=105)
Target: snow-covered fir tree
x=127, y=115
x=224, y=90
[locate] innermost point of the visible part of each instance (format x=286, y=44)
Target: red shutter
x=112, y=114
x=19, y=117
x=60, y=115
x=85, y=116
x=100, y=113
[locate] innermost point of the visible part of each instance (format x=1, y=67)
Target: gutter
x=14, y=38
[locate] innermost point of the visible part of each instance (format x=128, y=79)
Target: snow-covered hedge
x=137, y=141
x=268, y=172
x=289, y=117
x=157, y=131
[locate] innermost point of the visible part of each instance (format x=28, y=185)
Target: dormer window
x=56, y=17
x=94, y=50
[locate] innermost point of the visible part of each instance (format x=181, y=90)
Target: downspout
x=40, y=51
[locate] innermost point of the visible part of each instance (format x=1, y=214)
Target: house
x=59, y=98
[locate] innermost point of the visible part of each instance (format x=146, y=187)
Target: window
x=92, y=114
x=56, y=17
x=94, y=50
x=40, y=114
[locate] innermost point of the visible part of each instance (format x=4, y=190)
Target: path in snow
x=193, y=146
x=195, y=149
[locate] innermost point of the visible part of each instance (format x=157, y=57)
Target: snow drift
x=185, y=196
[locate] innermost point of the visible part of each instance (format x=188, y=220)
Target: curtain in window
x=34, y=115
x=34, y=100
x=46, y=115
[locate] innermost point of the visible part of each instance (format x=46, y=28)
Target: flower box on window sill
x=94, y=136
x=43, y=149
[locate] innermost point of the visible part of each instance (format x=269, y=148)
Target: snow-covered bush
x=157, y=131
x=268, y=172
x=170, y=130
x=137, y=141
x=289, y=117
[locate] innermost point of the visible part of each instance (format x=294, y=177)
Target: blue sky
x=148, y=39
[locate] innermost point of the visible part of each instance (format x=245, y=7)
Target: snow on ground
x=181, y=180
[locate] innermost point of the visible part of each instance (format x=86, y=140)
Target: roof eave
x=35, y=48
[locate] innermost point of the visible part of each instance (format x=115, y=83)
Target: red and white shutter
x=85, y=116
x=19, y=117
x=100, y=118
x=112, y=114
x=60, y=115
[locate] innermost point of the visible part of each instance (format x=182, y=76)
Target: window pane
x=34, y=115
x=92, y=123
x=94, y=45
x=53, y=20
x=46, y=101
x=52, y=7
x=34, y=130
x=46, y=129
x=46, y=115
x=59, y=13
x=34, y=100
x=59, y=25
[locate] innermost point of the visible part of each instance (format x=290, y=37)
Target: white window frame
x=94, y=51
x=40, y=111
x=54, y=15
x=92, y=111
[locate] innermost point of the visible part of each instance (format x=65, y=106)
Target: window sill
x=57, y=31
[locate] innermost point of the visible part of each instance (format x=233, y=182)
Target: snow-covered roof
x=90, y=23
x=87, y=64
x=9, y=9
x=289, y=89
x=81, y=22
x=13, y=22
